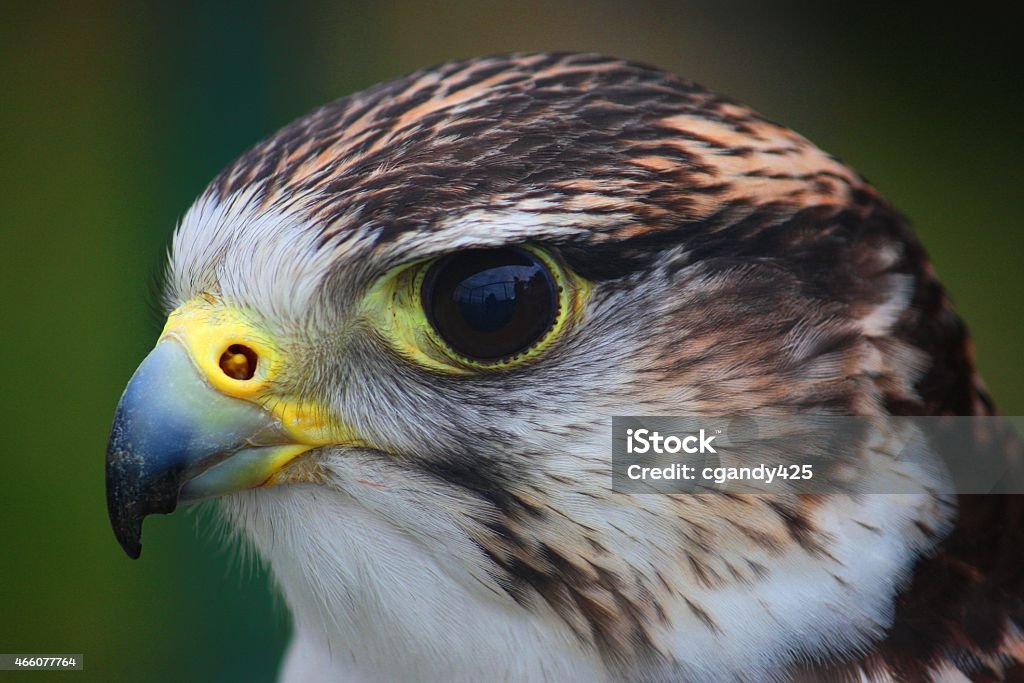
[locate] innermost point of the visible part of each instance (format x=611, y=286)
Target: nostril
x=238, y=362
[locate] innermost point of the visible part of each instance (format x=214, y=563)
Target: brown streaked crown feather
x=562, y=128
x=668, y=166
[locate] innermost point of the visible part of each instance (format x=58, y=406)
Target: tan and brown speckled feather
x=775, y=281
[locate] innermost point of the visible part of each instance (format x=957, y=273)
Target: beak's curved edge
x=170, y=427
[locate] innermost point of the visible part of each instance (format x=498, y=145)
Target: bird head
x=398, y=329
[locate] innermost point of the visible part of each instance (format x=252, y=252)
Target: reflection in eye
x=490, y=304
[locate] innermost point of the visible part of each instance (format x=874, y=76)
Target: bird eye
x=489, y=305
x=476, y=310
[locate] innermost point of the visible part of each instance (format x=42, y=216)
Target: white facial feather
x=383, y=585
x=380, y=566
x=384, y=590
x=263, y=258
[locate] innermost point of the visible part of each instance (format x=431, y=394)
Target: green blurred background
x=115, y=115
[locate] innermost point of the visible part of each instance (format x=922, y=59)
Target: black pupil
x=490, y=304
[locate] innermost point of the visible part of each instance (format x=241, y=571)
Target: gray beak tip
x=170, y=427
x=136, y=487
x=128, y=503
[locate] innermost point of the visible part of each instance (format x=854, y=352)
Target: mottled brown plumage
x=735, y=269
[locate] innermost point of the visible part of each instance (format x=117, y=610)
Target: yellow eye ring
x=476, y=310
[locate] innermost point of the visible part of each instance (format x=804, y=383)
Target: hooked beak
x=175, y=438
x=202, y=416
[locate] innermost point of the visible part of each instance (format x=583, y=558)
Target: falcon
x=398, y=330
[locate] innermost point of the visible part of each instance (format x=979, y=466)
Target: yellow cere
x=394, y=306
x=211, y=330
